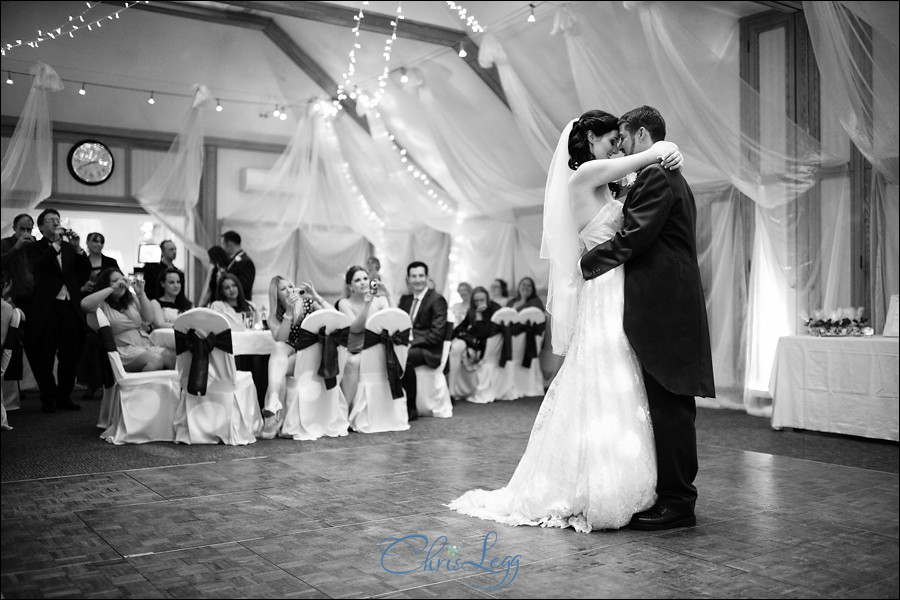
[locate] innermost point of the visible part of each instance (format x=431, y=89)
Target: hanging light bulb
x=404, y=78
x=9, y=79
x=150, y=100
x=277, y=112
x=531, y=18
x=462, y=50
x=283, y=116
x=82, y=90
x=218, y=105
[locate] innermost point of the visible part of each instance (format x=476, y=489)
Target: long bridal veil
x=561, y=245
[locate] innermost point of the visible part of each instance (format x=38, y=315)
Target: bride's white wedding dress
x=590, y=461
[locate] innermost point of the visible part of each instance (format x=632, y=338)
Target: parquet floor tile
x=192, y=522
x=220, y=571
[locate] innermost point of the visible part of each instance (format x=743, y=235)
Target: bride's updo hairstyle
x=598, y=121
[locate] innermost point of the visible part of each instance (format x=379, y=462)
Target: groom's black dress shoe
x=661, y=517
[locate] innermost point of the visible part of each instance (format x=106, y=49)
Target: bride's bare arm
x=595, y=173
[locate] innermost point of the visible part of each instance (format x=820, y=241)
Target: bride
x=590, y=462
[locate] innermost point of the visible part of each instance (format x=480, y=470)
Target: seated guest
x=127, y=315
x=290, y=305
x=428, y=312
x=89, y=372
x=459, y=310
x=11, y=351
x=499, y=292
x=230, y=301
x=526, y=295
x=474, y=329
x=218, y=258
x=364, y=300
x=172, y=302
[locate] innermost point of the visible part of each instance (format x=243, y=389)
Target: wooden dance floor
x=364, y=516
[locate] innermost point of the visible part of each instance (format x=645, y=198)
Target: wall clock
x=90, y=162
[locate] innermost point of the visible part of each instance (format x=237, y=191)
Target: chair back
x=203, y=322
x=6, y=356
x=391, y=320
x=448, y=342
x=532, y=314
x=310, y=358
x=115, y=361
x=505, y=316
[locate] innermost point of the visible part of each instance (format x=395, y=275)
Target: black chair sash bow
x=108, y=342
x=200, y=349
x=531, y=331
x=394, y=368
x=329, y=369
x=505, y=330
x=16, y=366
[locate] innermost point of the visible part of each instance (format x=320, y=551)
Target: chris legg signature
x=401, y=555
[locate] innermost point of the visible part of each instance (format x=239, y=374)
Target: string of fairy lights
x=74, y=24
x=347, y=76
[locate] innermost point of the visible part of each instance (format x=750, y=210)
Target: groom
x=665, y=315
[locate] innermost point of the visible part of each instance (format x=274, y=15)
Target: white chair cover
x=104, y=419
x=374, y=409
x=5, y=357
x=432, y=391
x=229, y=411
x=10, y=389
x=311, y=410
x=143, y=404
x=528, y=381
x=494, y=382
x=518, y=353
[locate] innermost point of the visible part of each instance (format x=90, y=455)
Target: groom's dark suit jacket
x=665, y=311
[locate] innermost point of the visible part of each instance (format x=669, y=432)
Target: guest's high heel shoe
x=271, y=425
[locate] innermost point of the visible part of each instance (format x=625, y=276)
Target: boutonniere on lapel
x=237, y=258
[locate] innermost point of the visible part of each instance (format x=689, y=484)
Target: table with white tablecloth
x=251, y=348
x=845, y=385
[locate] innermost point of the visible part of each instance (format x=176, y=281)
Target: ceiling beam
x=280, y=38
x=785, y=6
x=332, y=14
x=267, y=26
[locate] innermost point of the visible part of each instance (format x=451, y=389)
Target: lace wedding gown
x=590, y=461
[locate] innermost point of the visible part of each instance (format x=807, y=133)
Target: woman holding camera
x=290, y=305
x=366, y=297
x=127, y=314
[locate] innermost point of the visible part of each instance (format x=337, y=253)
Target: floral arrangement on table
x=839, y=322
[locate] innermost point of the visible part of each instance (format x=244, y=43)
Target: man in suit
x=428, y=311
x=240, y=264
x=13, y=253
x=54, y=323
x=665, y=315
x=168, y=252
x=22, y=227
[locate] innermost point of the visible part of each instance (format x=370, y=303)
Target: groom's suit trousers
x=673, y=418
